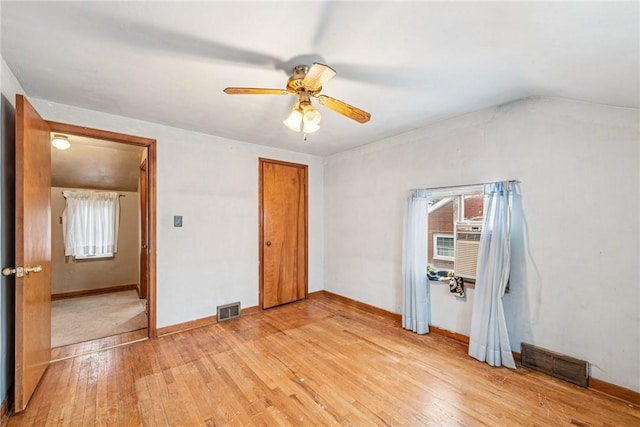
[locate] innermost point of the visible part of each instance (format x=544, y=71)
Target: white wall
x=575, y=274
x=213, y=183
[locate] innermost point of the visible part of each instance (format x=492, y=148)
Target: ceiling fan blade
x=317, y=75
x=345, y=109
x=255, y=91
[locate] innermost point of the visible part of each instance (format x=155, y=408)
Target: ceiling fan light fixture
x=61, y=142
x=303, y=118
x=294, y=121
x=310, y=127
x=311, y=119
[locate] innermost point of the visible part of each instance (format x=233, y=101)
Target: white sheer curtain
x=416, y=309
x=488, y=339
x=90, y=223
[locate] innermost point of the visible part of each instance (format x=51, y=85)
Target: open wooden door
x=283, y=232
x=33, y=251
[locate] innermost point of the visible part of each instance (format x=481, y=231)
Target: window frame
x=435, y=246
x=455, y=194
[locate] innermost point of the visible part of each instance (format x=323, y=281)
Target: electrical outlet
x=177, y=221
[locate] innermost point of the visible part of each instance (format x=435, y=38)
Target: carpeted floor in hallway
x=80, y=319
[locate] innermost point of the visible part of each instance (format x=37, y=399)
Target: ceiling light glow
x=61, y=142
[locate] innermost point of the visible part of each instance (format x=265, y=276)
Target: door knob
x=20, y=271
x=268, y=243
x=36, y=269
x=8, y=271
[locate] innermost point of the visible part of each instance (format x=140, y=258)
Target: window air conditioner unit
x=466, y=251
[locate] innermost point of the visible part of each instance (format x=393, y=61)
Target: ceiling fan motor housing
x=295, y=82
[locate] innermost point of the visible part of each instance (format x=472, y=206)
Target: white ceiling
x=408, y=63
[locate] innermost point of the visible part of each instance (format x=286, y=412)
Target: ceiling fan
x=306, y=83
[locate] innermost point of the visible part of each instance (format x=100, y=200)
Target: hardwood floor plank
x=78, y=383
x=153, y=411
x=127, y=399
x=316, y=362
x=90, y=374
x=87, y=347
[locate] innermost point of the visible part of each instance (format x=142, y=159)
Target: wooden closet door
x=283, y=232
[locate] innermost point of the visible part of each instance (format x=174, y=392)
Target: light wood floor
x=315, y=362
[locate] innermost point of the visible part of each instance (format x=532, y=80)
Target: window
x=450, y=208
x=90, y=224
x=443, y=246
x=473, y=205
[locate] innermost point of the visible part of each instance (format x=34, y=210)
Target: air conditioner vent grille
x=466, y=250
x=469, y=237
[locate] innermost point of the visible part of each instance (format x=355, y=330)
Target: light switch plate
x=177, y=221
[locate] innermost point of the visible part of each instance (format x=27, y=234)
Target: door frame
x=144, y=229
x=261, y=242
x=150, y=145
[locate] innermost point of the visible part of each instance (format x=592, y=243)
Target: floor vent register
x=228, y=311
x=558, y=365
